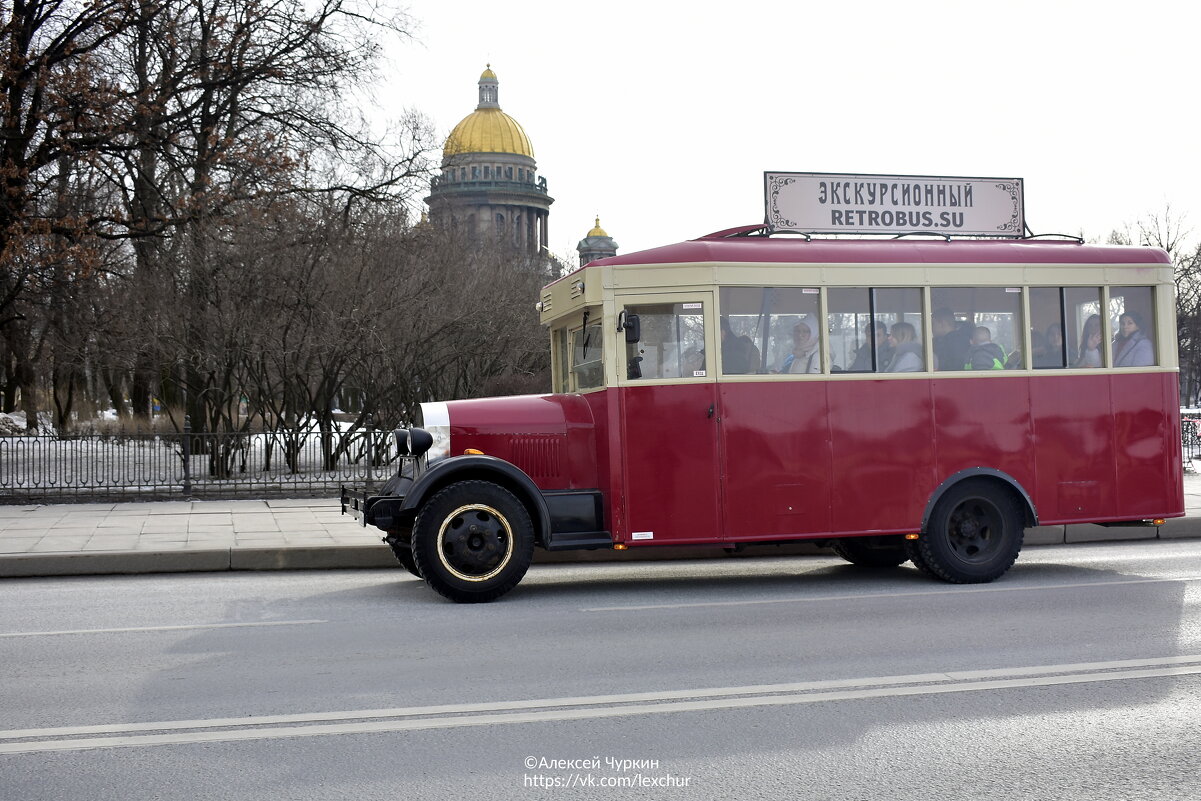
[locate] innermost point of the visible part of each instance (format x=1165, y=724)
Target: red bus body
x=710, y=458
x=780, y=462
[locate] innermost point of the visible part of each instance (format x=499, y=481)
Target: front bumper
x=381, y=511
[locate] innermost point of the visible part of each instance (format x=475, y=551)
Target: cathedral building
x=597, y=245
x=489, y=183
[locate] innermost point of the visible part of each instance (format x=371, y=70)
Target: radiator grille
x=539, y=455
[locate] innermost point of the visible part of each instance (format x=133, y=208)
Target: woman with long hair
x=1089, y=352
x=907, y=351
x=1131, y=348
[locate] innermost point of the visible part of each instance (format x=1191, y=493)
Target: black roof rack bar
x=945, y=237
x=759, y=229
x=1077, y=239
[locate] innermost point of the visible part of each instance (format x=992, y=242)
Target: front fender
x=481, y=468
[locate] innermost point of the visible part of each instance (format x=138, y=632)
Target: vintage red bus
x=920, y=400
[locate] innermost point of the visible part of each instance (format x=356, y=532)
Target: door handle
x=710, y=415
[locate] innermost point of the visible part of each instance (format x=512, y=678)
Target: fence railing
x=293, y=464
x=192, y=465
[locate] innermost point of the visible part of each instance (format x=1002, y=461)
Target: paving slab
x=112, y=544
x=15, y=511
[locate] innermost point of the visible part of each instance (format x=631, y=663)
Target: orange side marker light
x=473, y=452
x=912, y=536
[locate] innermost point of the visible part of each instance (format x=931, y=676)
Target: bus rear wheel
x=974, y=533
x=872, y=551
x=473, y=541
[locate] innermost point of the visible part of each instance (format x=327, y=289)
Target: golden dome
x=597, y=231
x=488, y=130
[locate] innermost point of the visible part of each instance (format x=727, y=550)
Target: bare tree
x=1168, y=230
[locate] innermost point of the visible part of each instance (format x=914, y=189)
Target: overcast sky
x=662, y=117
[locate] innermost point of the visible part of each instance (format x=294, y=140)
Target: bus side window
x=977, y=328
x=899, y=311
x=672, y=342
x=741, y=328
x=561, y=365
x=858, y=344
x=587, y=364
x=794, y=331
x=1049, y=348
x=1132, y=320
x=759, y=327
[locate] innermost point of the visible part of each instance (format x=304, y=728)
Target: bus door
x=667, y=403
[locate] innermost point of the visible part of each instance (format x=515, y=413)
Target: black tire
x=872, y=551
x=473, y=541
x=401, y=543
x=915, y=555
x=974, y=533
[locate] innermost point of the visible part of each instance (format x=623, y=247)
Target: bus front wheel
x=473, y=541
x=401, y=543
x=974, y=533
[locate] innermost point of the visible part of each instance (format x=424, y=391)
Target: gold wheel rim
x=461, y=513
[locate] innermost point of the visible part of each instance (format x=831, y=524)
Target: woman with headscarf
x=805, y=356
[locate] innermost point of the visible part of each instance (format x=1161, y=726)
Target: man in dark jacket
x=951, y=341
x=877, y=337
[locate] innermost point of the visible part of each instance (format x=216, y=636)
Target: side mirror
x=629, y=323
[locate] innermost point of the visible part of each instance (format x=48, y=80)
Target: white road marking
x=448, y=716
x=972, y=588
x=192, y=627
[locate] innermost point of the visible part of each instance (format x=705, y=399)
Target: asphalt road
x=1076, y=676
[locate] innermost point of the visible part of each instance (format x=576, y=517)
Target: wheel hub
x=972, y=524
x=475, y=542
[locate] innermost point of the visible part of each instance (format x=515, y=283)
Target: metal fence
x=192, y=465
x=1190, y=437
x=285, y=464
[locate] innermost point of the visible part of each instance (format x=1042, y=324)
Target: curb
x=337, y=557
x=110, y=563
x=360, y=557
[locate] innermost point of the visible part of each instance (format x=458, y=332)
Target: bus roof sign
x=836, y=203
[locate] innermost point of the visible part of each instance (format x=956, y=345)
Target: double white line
x=449, y=716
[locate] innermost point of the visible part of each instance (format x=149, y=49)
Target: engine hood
x=549, y=437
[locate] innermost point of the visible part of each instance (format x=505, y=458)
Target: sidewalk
x=288, y=534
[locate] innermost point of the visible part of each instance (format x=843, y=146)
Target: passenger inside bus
x=1046, y=350
x=876, y=337
x=907, y=351
x=1055, y=343
x=804, y=356
x=1131, y=348
x=952, y=341
x=738, y=353
x=984, y=354
x=754, y=359
x=1090, y=343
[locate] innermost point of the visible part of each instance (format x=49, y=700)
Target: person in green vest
x=984, y=354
